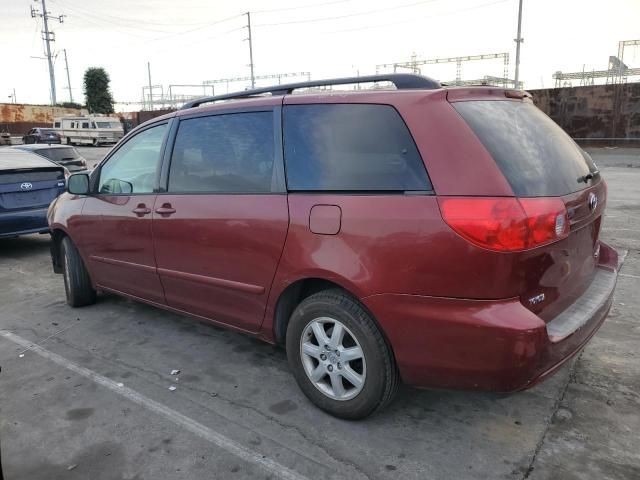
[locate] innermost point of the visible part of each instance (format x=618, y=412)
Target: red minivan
x=445, y=237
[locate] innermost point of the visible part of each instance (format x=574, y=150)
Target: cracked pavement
x=581, y=423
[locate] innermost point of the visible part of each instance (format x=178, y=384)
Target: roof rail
x=402, y=81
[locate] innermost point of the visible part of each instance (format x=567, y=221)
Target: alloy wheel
x=333, y=358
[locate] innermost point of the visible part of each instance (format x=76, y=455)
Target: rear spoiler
x=486, y=93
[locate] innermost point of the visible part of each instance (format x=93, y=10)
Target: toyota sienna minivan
x=442, y=237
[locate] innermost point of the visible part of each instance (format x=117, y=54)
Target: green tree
x=70, y=105
x=96, y=91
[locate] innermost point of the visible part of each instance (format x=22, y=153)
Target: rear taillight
x=506, y=224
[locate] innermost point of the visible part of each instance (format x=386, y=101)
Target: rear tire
x=77, y=283
x=350, y=376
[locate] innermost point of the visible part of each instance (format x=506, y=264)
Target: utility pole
x=518, y=41
x=48, y=36
x=150, y=87
x=66, y=65
x=253, y=79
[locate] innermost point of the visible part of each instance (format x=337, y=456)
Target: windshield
x=59, y=154
x=534, y=154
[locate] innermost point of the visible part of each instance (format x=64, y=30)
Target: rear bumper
x=23, y=222
x=496, y=345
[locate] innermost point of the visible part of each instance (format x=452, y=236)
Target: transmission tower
x=48, y=36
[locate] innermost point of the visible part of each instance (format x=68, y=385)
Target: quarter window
x=230, y=153
x=353, y=147
x=133, y=167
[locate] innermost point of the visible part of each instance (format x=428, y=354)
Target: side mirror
x=78, y=184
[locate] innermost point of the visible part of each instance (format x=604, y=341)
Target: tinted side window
x=85, y=124
x=133, y=167
x=534, y=154
x=224, y=153
x=350, y=148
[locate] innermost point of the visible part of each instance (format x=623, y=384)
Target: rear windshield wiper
x=588, y=176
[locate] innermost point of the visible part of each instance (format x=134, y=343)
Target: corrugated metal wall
x=594, y=111
x=18, y=119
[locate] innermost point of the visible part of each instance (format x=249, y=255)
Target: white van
x=89, y=129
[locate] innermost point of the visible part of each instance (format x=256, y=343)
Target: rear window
x=350, y=148
x=18, y=176
x=534, y=154
x=58, y=154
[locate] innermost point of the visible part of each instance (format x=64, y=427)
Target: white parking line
x=179, y=419
x=628, y=275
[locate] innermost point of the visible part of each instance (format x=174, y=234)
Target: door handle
x=141, y=210
x=165, y=209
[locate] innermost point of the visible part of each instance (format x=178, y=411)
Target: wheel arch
x=57, y=234
x=303, y=288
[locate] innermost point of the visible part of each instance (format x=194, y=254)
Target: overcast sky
x=189, y=41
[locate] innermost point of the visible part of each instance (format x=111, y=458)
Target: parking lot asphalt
x=93, y=155
x=85, y=393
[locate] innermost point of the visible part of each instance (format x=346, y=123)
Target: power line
x=133, y=24
x=136, y=21
x=417, y=19
x=198, y=28
x=348, y=15
x=300, y=7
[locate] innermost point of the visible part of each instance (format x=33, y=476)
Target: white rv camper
x=89, y=129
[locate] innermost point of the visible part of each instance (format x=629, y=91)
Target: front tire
x=77, y=283
x=339, y=357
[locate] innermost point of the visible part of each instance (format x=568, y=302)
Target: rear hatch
x=29, y=188
x=46, y=135
x=551, y=226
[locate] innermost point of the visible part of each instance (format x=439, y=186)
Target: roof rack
x=402, y=81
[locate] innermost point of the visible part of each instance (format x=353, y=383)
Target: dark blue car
x=28, y=184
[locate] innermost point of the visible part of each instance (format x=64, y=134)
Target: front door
x=118, y=243
x=220, y=229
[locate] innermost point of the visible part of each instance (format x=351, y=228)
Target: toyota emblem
x=26, y=186
x=593, y=202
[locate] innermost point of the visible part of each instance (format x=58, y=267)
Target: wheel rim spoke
x=336, y=385
x=352, y=353
x=311, y=350
x=334, y=362
x=336, y=336
x=352, y=377
x=320, y=334
x=318, y=373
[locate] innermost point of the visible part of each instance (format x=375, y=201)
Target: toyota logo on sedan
x=26, y=186
x=593, y=202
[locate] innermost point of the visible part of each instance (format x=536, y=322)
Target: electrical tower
x=48, y=36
